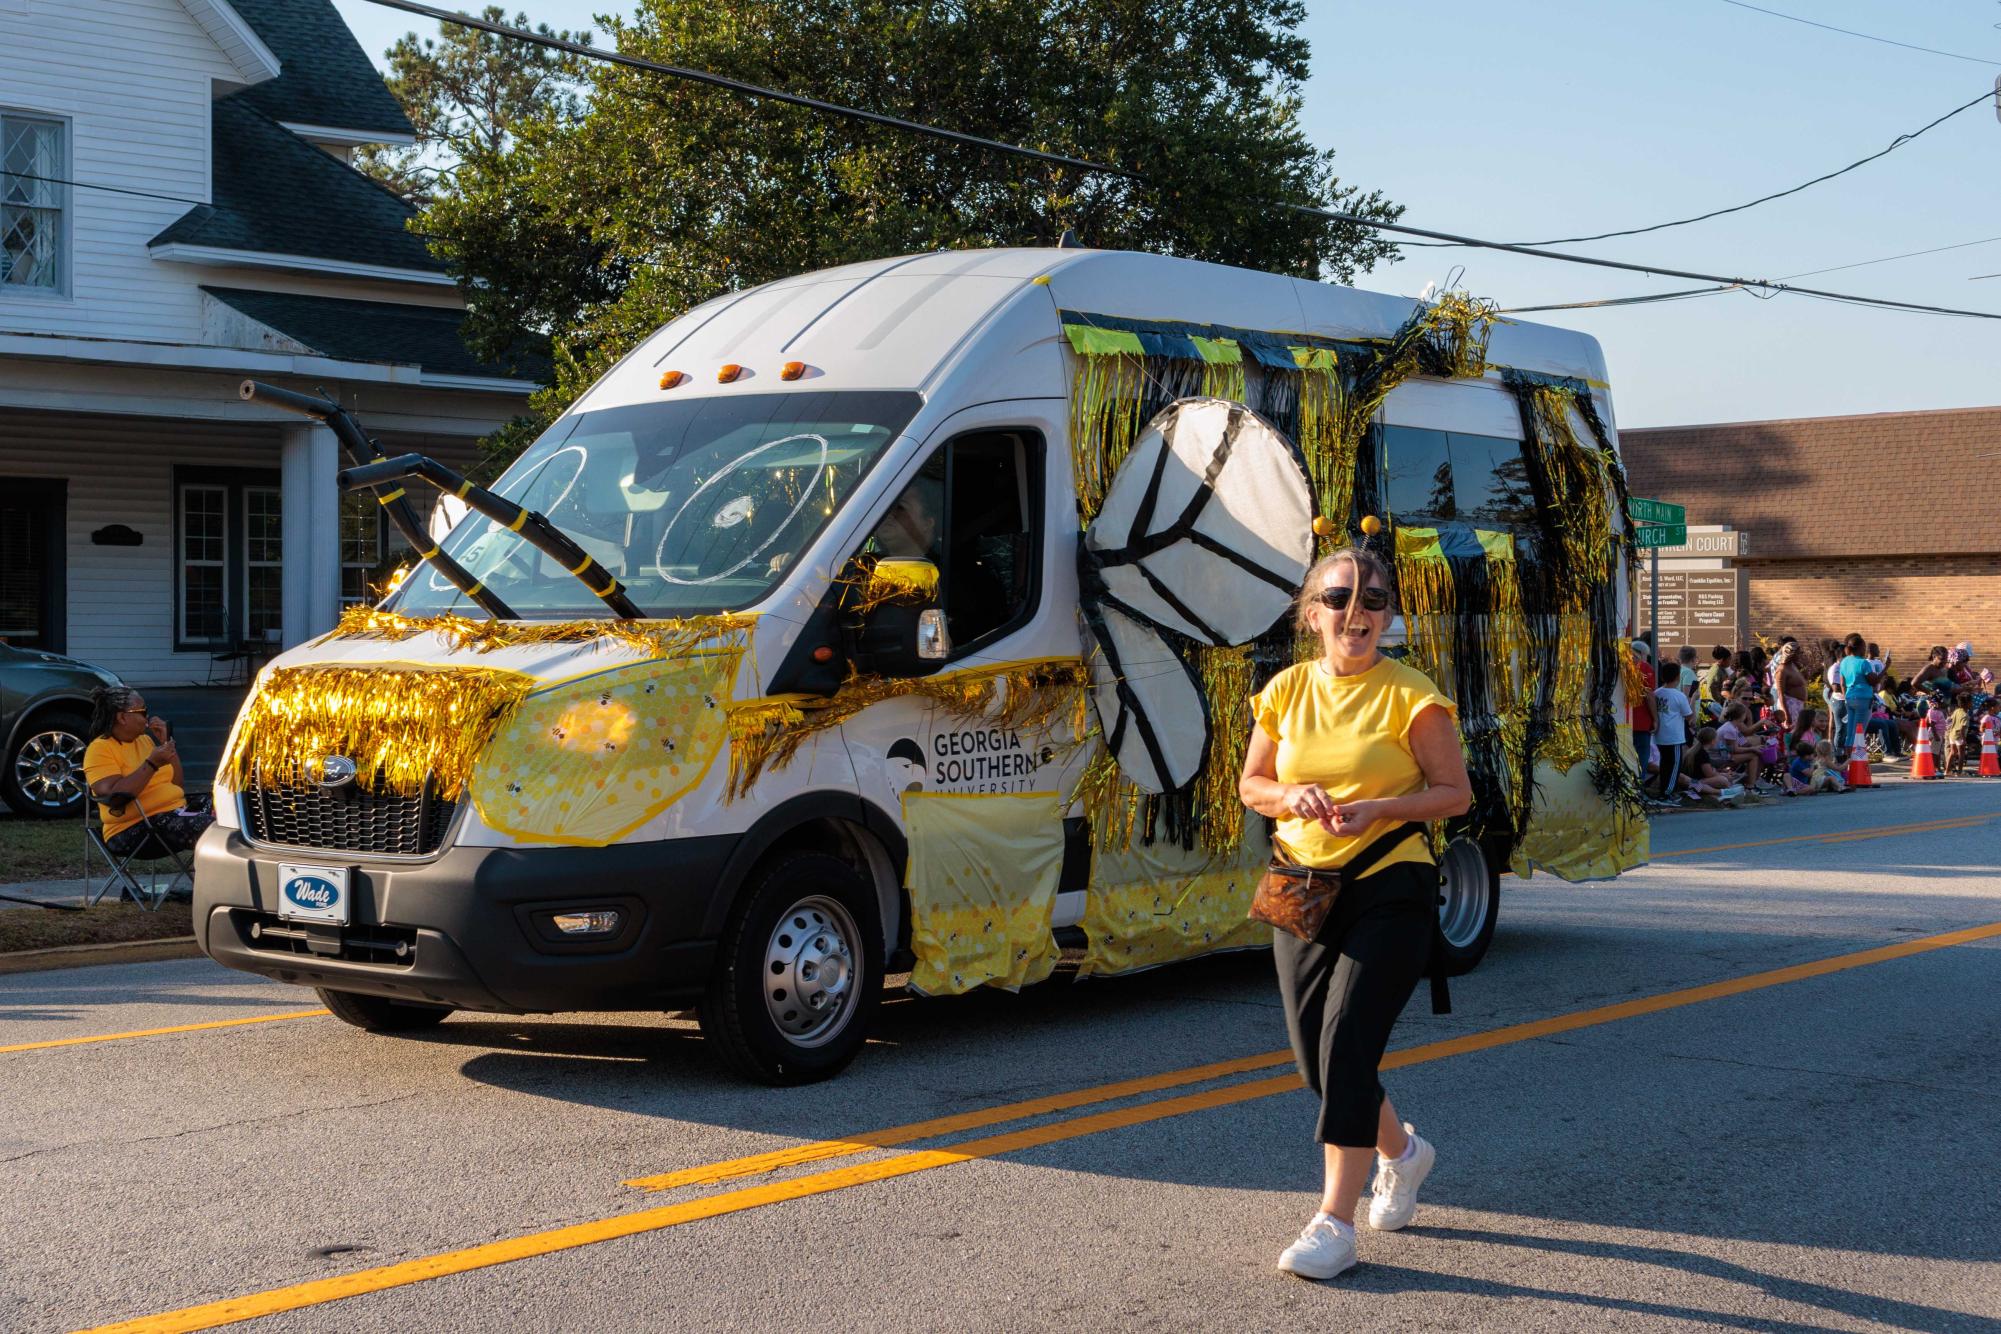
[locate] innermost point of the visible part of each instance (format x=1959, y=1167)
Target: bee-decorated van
x=903, y=617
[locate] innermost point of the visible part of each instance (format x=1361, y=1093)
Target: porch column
x=311, y=502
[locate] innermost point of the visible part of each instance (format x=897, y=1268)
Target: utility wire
x=1895, y=144
x=1712, y=291
x=1865, y=36
x=1127, y=173
x=108, y=189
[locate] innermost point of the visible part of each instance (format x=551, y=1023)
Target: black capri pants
x=1344, y=989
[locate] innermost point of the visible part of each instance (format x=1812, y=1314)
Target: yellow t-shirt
x=109, y=758
x=1351, y=735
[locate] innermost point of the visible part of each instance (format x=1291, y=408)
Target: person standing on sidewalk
x=1643, y=706
x=1858, y=686
x=1351, y=755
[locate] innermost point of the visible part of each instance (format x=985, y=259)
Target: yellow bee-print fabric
x=589, y=760
x=983, y=875
x=1150, y=905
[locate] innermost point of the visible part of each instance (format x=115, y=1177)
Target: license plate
x=313, y=893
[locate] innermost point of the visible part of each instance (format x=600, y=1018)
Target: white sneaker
x=1394, y=1199
x=1323, y=1250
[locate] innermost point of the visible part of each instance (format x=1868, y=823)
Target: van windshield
x=697, y=505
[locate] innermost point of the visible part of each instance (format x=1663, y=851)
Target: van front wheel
x=799, y=971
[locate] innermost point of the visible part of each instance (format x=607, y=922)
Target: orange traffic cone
x=1858, y=759
x=1923, y=763
x=1990, y=755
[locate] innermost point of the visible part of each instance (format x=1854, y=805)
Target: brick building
x=1887, y=525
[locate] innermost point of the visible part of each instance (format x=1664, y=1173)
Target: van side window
x=1434, y=475
x=974, y=511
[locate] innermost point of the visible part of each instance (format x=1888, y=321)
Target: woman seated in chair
x=135, y=773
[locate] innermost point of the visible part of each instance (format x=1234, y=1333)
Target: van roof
x=897, y=323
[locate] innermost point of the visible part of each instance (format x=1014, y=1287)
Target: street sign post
x=1656, y=524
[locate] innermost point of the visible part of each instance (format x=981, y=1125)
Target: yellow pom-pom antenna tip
x=1323, y=526
x=1371, y=524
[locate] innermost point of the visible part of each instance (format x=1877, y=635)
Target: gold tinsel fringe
x=1578, y=476
x=661, y=639
x=1223, y=379
x=1225, y=674
x=400, y=724
x=1425, y=589
x=1461, y=324
x=767, y=734
x=1570, y=735
x=1104, y=422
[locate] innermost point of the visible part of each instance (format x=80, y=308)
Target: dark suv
x=44, y=724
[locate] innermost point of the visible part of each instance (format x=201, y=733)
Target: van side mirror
x=896, y=627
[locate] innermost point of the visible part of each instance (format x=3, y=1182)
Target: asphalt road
x=1798, y=1147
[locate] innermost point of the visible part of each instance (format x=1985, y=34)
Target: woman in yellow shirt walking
x=1349, y=750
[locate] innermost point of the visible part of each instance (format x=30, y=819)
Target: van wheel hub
x=809, y=971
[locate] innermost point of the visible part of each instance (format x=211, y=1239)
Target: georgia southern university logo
x=977, y=759
x=311, y=893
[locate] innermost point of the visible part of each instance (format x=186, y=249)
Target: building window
x=229, y=552
x=204, y=562
x=263, y=564
x=370, y=549
x=33, y=165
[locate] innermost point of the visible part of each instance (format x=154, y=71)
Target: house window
x=32, y=593
x=33, y=165
x=263, y=564
x=204, y=562
x=229, y=550
x=370, y=549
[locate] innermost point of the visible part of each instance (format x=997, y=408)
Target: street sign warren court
x=1656, y=511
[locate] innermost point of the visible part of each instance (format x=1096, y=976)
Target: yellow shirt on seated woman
x=108, y=757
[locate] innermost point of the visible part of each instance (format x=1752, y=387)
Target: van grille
x=347, y=819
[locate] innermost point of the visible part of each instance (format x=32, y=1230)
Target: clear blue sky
x=1566, y=117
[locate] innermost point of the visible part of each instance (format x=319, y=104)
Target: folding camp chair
x=118, y=869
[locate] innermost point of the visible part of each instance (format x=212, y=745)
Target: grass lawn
x=108, y=923
x=40, y=849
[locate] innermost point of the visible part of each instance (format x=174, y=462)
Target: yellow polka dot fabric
x=589, y=760
x=1149, y=905
x=983, y=875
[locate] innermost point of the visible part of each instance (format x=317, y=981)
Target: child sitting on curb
x=1825, y=778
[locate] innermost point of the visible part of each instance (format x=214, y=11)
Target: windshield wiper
x=361, y=450
x=534, y=529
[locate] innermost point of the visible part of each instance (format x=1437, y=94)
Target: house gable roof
x=426, y=336
x=326, y=78
x=254, y=61
x=276, y=194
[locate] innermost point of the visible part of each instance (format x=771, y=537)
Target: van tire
x=1469, y=905
x=800, y=919
x=380, y=1015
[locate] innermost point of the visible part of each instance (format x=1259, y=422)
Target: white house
x=177, y=213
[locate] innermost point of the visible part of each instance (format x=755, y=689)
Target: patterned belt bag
x=1298, y=898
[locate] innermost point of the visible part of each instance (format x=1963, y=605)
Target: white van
x=849, y=732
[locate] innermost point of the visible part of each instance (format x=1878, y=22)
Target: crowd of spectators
x=1740, y=725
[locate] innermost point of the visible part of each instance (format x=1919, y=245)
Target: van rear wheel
x=379, y=1015
x=799, y=972
x=1469, y=905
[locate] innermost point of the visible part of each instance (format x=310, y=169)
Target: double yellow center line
x=385, y=1277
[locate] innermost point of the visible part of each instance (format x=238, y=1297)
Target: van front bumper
x=470, y=928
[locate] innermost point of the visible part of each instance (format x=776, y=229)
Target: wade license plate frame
x=315, y=893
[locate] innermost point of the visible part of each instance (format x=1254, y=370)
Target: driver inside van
x=910, y=529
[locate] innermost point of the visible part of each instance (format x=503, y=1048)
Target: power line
x=108, y=189
x=1865, y=36
x=1127, y=173
x=1908, y=254
x=1895, y=144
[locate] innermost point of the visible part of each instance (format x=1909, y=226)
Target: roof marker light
x=792, y=370
x=669, y=379
x=728, y=372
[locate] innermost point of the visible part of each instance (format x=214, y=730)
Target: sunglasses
x=1336, y=598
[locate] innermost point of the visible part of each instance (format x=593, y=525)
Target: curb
x=84, y=956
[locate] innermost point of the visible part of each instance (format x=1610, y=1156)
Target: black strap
x=1441, y=990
